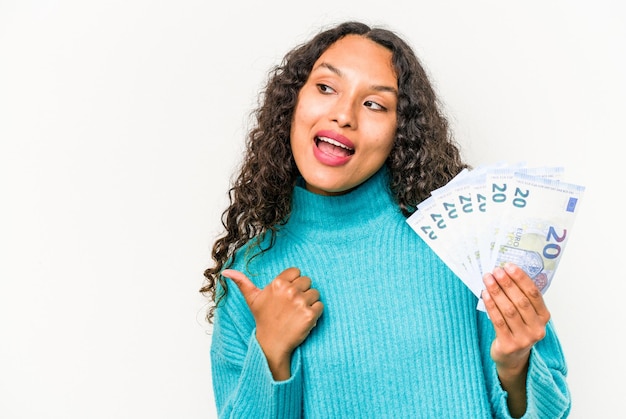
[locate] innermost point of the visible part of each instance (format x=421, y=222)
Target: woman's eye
x=325, y=88
x=373, y=105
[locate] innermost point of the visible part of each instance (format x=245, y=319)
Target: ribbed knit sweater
x=400, y=336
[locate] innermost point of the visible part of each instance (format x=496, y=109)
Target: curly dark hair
x=423, y=157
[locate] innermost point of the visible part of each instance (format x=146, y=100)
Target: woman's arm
x=254, y=356
x=520, y=327
x=243, y=384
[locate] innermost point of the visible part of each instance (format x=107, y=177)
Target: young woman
x=339, y=309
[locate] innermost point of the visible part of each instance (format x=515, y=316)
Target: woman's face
x=344, y=123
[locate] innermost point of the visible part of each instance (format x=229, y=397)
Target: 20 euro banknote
x=500, y=213
x=536, y=225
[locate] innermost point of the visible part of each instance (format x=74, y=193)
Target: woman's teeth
x=334, y=143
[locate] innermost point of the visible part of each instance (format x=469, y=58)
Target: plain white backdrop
x=121, y=123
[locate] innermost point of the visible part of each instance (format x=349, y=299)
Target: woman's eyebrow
x=329, y=67
x=379, y=88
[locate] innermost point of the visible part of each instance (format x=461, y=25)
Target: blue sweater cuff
x=539, y=382
x=260, y=395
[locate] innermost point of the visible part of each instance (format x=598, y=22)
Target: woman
x=339, y=308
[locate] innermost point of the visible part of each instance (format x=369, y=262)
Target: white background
x=121, y=123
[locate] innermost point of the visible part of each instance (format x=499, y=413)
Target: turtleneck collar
x=362, y=210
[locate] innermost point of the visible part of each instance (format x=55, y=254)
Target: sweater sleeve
x=547, y=391
x=242, y=381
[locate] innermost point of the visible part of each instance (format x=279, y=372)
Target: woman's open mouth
x=331, y=152
x=333, y=147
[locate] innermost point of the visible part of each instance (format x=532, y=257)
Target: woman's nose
x=344, y=112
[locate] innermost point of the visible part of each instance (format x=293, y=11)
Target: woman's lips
x=332, y=149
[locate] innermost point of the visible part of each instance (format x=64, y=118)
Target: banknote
x=500, y=192
x=536, y=226
x=497, y=213
x=428, y=223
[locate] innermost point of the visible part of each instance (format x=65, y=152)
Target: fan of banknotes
x=500, y=213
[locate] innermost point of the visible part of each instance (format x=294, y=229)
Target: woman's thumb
x=247, y=288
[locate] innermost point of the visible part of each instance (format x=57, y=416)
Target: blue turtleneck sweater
x=400, y=336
